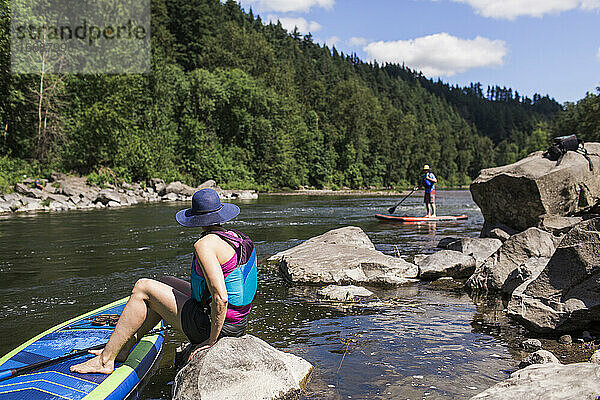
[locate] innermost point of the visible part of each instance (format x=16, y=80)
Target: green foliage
x=102, y=177
x=14, y=170
x=581, y=119
x=252, y=106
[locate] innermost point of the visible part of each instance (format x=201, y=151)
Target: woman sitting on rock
x=215, y=304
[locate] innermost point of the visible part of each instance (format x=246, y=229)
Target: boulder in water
x=446, y=263
x=566, y=294
x=343, y=256
x=518, y=194
x=514, y=253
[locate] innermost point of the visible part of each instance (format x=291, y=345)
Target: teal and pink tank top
x=240, y=273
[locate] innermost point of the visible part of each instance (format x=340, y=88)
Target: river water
x=420, y=341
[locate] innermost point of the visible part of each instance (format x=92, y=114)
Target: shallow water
x=421, y=341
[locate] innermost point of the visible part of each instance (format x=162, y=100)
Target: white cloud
x=440, y=54
x=511, y=9
x=598, y=54
x=357, y=41
x=290, y=5
x=289, y=23
x=332, y=41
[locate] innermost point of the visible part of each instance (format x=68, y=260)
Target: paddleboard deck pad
x=386, y=217
x=56, y=382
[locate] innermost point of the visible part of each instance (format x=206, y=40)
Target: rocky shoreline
x=538, y=256
x=62, y=193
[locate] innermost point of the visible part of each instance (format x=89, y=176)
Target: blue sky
x=533, y=46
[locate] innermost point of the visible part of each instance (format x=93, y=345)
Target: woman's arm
x=213, y=274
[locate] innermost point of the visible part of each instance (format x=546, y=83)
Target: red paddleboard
x=420, y=219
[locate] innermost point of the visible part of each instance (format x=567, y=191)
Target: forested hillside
x=581, y=119
x=247, y=104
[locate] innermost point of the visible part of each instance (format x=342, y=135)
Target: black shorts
x=195, y=321
x=430, y=198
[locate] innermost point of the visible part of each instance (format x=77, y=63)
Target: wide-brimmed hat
x=426, y=167
x=207, y=210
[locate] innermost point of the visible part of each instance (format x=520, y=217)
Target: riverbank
x=356, y=192
x=63, y=192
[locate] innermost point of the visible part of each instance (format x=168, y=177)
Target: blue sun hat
x=207, y=210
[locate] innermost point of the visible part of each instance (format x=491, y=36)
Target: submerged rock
x=519, y=194
x=343, y=256
x=514, y=253
x=565, y=339
x=566, y=294
x=549, y=382
x=531, y=345
x=245, y=368
x=539, y=357
x=344, y=293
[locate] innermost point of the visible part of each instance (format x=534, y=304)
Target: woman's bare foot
x=94, y=365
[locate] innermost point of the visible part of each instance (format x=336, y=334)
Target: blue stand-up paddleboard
x=56, y=382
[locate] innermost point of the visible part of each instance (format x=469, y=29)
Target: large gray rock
x=500, y=234
x=497, y=230
x=558, y=225
x=57, y=176
x=4, y=207
x=238, y=194
x=549, y=382
x=28, y=191
x=31, y=205
x=241, y=368
x=566, y=294
x=105, y=196
x=208, y=184
x=169, y=197
x=518, y=194
x=526, y=273
x=343, y=256
x=157, y=184
x=446, y=263
x=479, y=248
x=177, y=188
x=59, y=198
x=514, y=253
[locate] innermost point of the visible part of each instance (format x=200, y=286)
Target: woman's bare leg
x=183, y=286
x=149, y=300
x=152, y=318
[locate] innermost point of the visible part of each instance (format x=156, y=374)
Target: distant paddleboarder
x=428, y=182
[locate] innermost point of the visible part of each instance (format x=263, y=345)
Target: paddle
x=32, y=367
x=393, y=209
